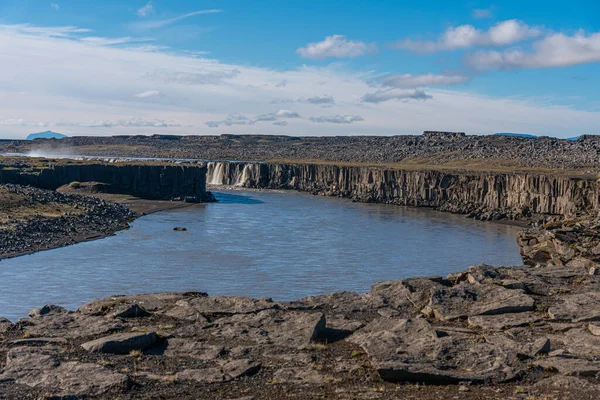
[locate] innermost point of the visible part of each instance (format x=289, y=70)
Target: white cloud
x=102, y=41
x=481, y=13
x=405, y=81
x=287, y=114
x=147, y=94
x=192, y=78
x=556, y=50
x=36, y=31
x=337, y=119
x=383, y=95
x=465, y=36
x=321, y=100
x=164, y=22
x=240, y=119
x=55, y=6
x=130, y=122
x=336, y=46
x=88, y=89
x=148, y=9
x=282, y=84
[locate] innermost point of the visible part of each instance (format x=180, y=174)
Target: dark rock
x=122, y=343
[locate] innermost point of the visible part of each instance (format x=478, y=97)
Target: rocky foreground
x=511, y=332
x=33, y=219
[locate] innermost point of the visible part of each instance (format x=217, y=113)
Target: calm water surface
x=283, y=245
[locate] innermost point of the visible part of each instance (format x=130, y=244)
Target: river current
x=284, y=245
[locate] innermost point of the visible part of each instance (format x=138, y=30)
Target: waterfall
x=246, y=175
x=216, y=173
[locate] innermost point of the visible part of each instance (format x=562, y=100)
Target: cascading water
x=245, y=177
x=215, y=172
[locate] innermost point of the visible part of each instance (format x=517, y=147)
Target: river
x=284, y=245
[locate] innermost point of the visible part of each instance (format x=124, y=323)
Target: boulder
x=122, y=343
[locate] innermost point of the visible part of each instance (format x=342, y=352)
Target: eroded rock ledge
x=485, y=332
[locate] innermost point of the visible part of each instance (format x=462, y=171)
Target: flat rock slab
x=578, y=307
x=122, y=343
x=277, y=327
x=71, y=325
x=194, y=349
x=504, y=321
x=231, y=305
x=407, y=295
x=410, y=350
x=465, y=300
x=40, y=368
x=227, y=372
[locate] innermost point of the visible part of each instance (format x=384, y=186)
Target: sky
x=308, y=68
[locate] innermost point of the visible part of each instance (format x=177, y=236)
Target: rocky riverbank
x=37, y=219
x=493, y=333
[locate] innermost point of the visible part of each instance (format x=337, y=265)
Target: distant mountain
x=46, y=135
x=521, y=135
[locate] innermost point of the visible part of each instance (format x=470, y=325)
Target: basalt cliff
x=489, y=196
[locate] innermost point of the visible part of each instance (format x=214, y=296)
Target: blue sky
x=299, y=67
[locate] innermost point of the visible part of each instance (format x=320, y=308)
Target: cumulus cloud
x=321, y=100
x=55, y=6
x=405, y=81
x=465, y=36
x=94, y=85
x=146, y=10
x=164, y=22
x=383, y=95
x=192, y=78
x=556, y=50
x=337, y=119
x=283, y=83
x=337, y=46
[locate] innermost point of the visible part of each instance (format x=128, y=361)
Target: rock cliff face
x=481, y=195
x=164, y=182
